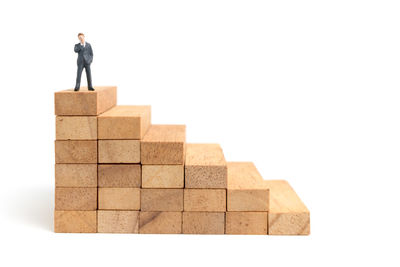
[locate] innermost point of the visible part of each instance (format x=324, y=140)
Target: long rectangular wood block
x=84, y=102
x=287, y=213
x=163, y=176
x=164, y=144
x=203, y=222
x=124, y=122
x=76, y=128
x=76, y=175
x=246, y=223
x=119, y=198
x=160, y=222
x=204, y=200
x=119, y=175
x=75, y=198
x=246, y=188
x=75, y=221
x=118, y=221
x=73, y=151
x=119, y=151
x=205, y=166
x=161, y=200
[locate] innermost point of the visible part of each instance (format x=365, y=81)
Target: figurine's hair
x=79, y=34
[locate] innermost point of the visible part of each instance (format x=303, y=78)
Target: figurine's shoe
x=76, y=89
x=91, y=89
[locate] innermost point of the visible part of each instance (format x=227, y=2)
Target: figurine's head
x=81, y=37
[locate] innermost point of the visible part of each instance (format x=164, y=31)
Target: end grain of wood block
x=124, y=122
x=160, y=222
x=75, y=198
x=161, y=200
x=119, y=198
x=204, y=200
x=205, y=166
x=163, y=145
x=246, y=223
x=119, y=151
x=76, y=175
x=118, y=221
x=76, y=128
x=84, y=102
x=119, y=175
x=163, y=176
x=203, y=222
x=76, y=151
x=75, y=221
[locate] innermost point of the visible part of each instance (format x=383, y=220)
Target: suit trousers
x=88, y=75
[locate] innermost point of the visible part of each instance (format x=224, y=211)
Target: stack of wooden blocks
x=115, y=172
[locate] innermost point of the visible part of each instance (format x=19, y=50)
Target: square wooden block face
x=204, y=200
x=84, y=102
x=161, y=200
x=124, y=122
x=119, y=175
x=76, y=175
x=76, y=198
x=203, y=223
x=159, y=222
x=118, y=221
x=289, y=223
x=247, y=223
x=75, y=221
x=119, y=151
x=76, y=128
x=162, y=176
x=76, y=151
x=119, y=198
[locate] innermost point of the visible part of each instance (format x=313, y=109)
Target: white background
x=307, y=90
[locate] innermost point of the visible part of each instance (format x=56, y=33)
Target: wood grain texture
x=124, y=122
x=75, y=221
x=203, y=222
x=76, y=128
x=204, y=200
x=84, y=102
x=246, y=188
x=118, y=221
x=119, y=198
x=160, y=222
x=163, y=176
x=161, y=200
x=164, y=144
x=119, y=175
x=76, y=175
x=246, y=223
x=287, y=213
x=72, y=151
x=119, y=151
x=75, y=198
x=205, y=166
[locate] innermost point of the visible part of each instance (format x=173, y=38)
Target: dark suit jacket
x=85, y=54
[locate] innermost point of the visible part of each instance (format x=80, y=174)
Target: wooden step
x=76, y=175
x=160, y=222
x=246, y=223
x=119, y=198
x=76, y=128
x=75, y=198
x=204, y=200
x=119, y=151
x=161, y=199
x=195, y=222
x=119, y=175
x=76, y=151
x=72, y=221
x=163, y=176
x=118, y=221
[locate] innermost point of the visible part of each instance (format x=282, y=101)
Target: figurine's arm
x=77, y=48
x=91, y=51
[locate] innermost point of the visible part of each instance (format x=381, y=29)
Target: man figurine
x=85, y=58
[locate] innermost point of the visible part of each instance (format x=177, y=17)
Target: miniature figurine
x=85, y=58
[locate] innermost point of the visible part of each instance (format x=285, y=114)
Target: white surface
x=308, y=90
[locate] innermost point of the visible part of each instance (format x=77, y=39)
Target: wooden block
x=160, y=222
x=246, y=188
x=205, y=166
x=287, y=213
x=76, y=128
x=163, y=176
x=85, y=102
x=76, y=175
x=75, y=221
x=204, y=200
x=75, y=198
x=76, y=151
x=124, y=122
x=246, y=223
x=119, y=198
x=119, y=175
x=164, y=144
x=119, y=151
x=203, y=222
x=161, y=200
x=118, y=221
